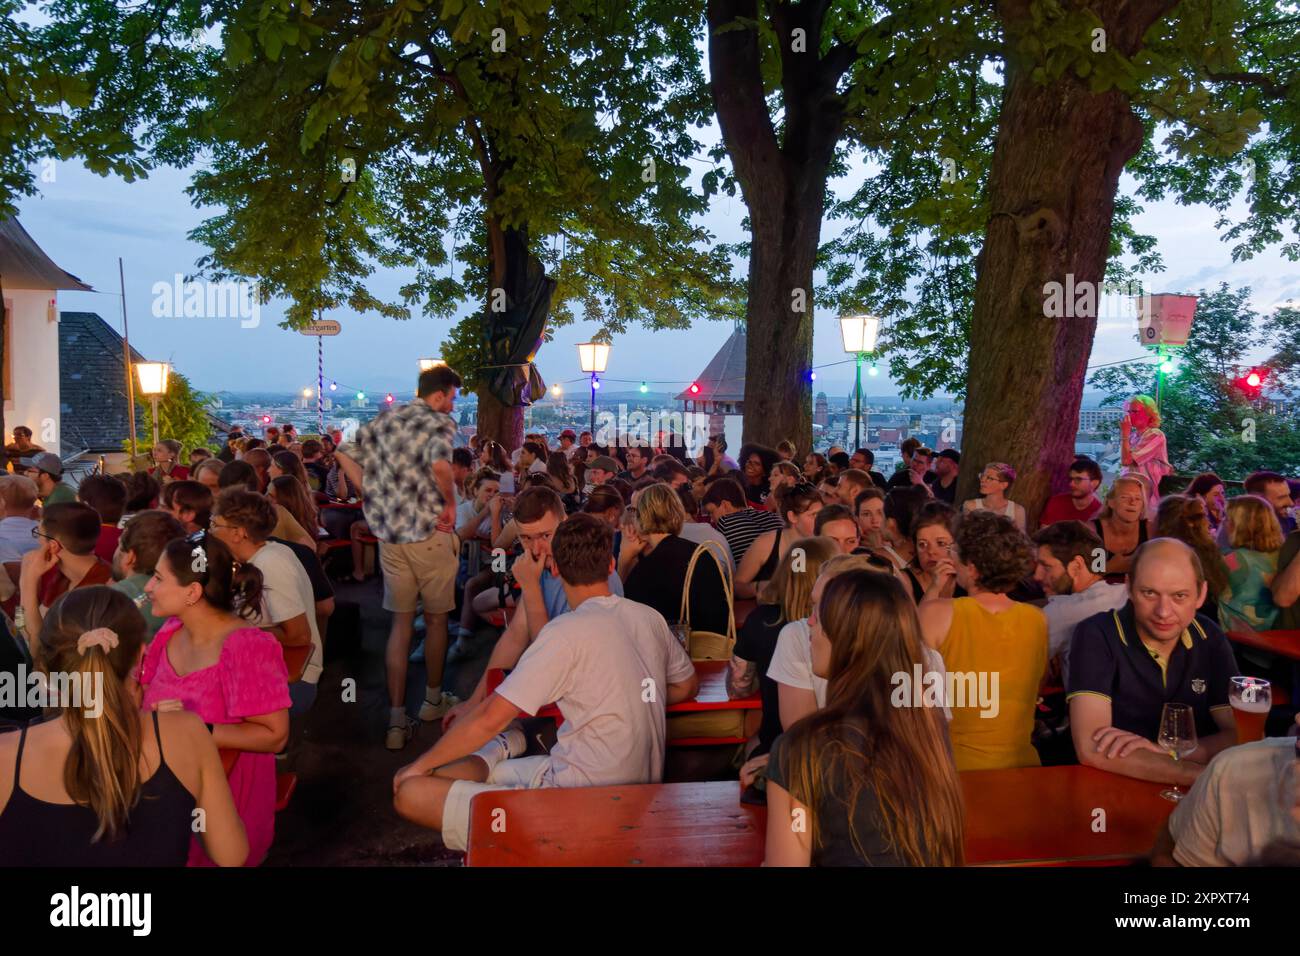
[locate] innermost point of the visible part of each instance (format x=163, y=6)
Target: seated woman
x=799, y=505
x=119, y=787
x=653, y=559
x=562, y=479
x=478, y=517
x=932, y=541
x=995, y=484
x=814, y=467
x=1122, y=524
x=756, y=463
x=1186, y=518
x=998, y=645
x=873, y=782
x=787, y=598
x=292, y=495
x=1209, y=488
x=240, y=474
x=1253, y=536
x=208, y=660
x=784, y=474
x=901, y=508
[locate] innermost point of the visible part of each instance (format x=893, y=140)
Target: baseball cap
x=604, y=463
x=952, y=454
x=47, y=462
x=569, y=433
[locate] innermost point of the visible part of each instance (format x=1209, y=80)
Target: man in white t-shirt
x=1243, y=810
x=610, y=664
x=1069, y=556
x=243, y=520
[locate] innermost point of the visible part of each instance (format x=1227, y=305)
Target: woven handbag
x=709, y=645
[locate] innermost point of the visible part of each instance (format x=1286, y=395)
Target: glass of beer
x=1251, y=699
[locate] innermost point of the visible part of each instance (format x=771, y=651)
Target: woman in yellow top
x=994, y=649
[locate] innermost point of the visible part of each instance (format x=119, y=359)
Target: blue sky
x=84, y=222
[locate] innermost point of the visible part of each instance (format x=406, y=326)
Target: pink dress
x=249, y=679
x=1151, y=461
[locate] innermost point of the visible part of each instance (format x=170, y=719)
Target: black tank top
x=1142, y=537
x=769, y=566
x=36, y=833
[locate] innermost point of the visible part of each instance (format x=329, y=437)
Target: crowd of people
x=597, y=572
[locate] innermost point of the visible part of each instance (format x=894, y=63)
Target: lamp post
x=153, y=382
x=859, y=335
x=593, y=357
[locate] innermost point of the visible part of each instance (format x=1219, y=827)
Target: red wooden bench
x=1035, y=816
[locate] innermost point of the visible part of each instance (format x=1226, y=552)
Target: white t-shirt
x=607, y=664
x=792, y=663
x=1235, y=809
x=466, y=510
x=286, y=593
x=699, y=531
x=1064, y=611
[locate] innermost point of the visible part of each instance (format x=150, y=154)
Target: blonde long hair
x=896, y=754
x=790, y=587
x=103, y=766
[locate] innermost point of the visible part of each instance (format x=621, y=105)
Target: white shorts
x=521, y=773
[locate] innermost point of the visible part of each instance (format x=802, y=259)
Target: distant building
x=30, y=282
x=719, y=390
x=821, y=413
x=1091, y=419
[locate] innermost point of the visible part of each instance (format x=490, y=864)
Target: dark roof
x=92, y=384
x=723, y=379
x=24, y=266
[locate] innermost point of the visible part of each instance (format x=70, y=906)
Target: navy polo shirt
x=1109, y=659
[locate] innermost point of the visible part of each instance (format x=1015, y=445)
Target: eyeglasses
x=38, y=534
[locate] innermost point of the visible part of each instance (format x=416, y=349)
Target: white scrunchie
x=102, y=637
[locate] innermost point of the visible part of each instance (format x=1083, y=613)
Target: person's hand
x=494, y=506
x=632, y=544
x=943, y=577
x=409, y=772
x=528, y=569
x=749, y=772
x=1125, y=426
x=447, y=518
x=456, y=713
x=168, y=706
x=1114, y=742
x=38, y=561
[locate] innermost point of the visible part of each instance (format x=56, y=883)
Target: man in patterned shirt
x=401, y=461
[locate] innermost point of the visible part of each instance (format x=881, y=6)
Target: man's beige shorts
x=423, y=570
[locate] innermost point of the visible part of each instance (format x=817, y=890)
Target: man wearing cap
x=21, y=447
x=47, y=471
x=943, y=480
x=568, y=443
x=599, y=470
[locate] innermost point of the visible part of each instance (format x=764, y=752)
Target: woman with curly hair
x=1142, y=447
x=995, y=648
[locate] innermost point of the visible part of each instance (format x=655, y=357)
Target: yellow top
x=995, y=665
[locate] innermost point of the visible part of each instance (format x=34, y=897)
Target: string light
x=556, y=390
x=334, y=386
x=644, y=388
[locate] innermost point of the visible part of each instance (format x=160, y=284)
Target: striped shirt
x=740, y=528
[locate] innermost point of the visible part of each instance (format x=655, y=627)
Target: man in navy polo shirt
x=1125, y=665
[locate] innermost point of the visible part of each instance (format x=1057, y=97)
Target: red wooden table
x=712, y=694
x=1027, y=817
x=1283, y=643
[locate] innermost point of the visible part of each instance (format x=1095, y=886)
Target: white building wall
x=33, y=398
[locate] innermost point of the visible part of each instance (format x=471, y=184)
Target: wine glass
x=1178, y=736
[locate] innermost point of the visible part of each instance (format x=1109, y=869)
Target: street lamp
x=859, y=334
x=153, y=382
x=593, y=357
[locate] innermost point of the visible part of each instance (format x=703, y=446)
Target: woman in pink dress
x=208, y=660
x=1145, y=452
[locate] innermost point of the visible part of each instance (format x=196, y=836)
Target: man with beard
x=1069, y=559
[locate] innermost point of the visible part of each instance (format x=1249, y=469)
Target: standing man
x=402, y=463
x=1080, y=503
x=943, y=480
x=47, y=471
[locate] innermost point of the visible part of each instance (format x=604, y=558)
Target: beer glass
x=1251, y=699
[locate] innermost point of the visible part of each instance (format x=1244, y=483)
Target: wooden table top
x=1030, y=816
x=1284, y=643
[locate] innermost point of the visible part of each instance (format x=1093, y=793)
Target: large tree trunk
x=1059, y=154
x=508, y=265
x=783, y=181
